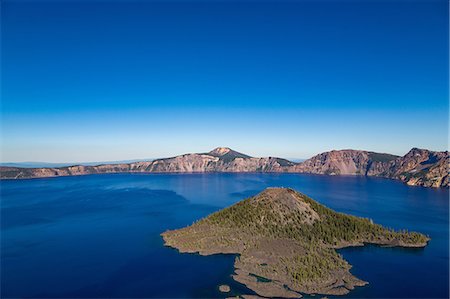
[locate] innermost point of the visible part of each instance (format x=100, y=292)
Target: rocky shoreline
x=286, y=243
x=417, y=168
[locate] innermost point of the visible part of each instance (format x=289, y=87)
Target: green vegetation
x=379, y=157
x=284, y=162
x=314, y=265
x=259, y=218
x=287, y=242
x=231, y=155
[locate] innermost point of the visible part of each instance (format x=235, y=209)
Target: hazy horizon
x=95, y=162
x=115, y=80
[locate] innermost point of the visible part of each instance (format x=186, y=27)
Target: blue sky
x=115, y=80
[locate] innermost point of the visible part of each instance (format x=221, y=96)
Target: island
x=286, y=243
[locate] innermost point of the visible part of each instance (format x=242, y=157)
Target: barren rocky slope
x=346, y=162
x=286, y=243
x=417, y=167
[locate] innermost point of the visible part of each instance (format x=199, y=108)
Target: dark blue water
x=98, y=236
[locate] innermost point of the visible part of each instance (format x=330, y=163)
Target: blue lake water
x=98, y=236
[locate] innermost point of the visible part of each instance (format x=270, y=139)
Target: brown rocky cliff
x=417, y=167
x=421, y=167
x=347, y=162
x=343, y=162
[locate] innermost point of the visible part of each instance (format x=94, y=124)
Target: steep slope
x=226, y=154
x=345, y=162
x=421, y=167
x=418, y=167
x=286, y=243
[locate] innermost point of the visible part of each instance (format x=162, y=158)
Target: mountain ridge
x=418, y=167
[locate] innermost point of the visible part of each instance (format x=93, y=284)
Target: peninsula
x=286, y=243
x=419, y=167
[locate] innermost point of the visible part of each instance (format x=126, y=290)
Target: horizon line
x=133, y=160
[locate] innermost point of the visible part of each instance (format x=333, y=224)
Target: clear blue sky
x=114, y=80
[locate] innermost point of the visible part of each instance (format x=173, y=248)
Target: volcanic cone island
x=286, y=243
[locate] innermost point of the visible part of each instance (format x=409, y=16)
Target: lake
x=98, y=236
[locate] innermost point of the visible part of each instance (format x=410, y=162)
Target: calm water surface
x=98, y=236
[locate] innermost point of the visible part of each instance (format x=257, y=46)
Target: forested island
x=286, y=243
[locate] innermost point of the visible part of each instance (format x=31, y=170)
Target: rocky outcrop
x=421, y=167
x=345, y=162
x=418, y=167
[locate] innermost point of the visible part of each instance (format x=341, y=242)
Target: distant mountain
x=418, y=167
x=227, y=154
x=34, y=164
x=221, y=159
x=344, y=162
x=55, y=164
x=421, y=167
